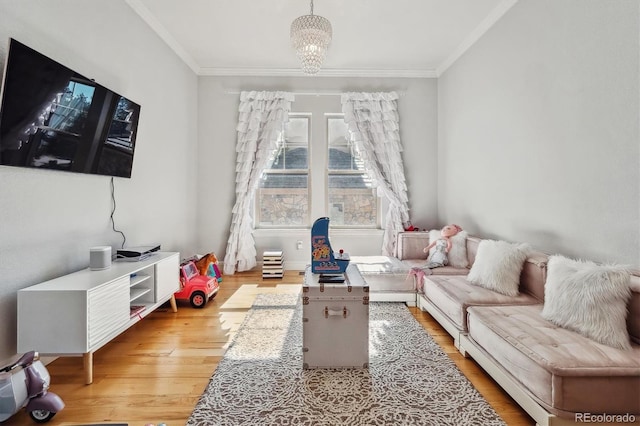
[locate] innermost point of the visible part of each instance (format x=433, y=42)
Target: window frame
x=319, y=205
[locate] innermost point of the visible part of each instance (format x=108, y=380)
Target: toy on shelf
x=323, y=259
x=196, y=288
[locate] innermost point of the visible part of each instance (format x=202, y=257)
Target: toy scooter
x=25, y=384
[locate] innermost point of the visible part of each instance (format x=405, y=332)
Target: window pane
x=353, y=207
x=283, y=200
x=294, y=150
x=69, y=113
x=341, y=159
x=351, y=180
x=297, y=131
x=284, y=181
x=291, y=158
x=352, y=201
x=341, y=155
x=337, y=131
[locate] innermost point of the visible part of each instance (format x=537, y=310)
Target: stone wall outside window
x=283, y=207
x=290, y=207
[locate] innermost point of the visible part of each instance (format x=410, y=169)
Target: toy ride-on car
x=196, y=288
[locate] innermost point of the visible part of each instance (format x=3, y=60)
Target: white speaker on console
x=100, y=258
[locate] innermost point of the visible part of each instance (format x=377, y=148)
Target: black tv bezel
x=94, y=154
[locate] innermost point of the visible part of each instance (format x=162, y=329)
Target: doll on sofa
x=440, y=256
x=442, y=246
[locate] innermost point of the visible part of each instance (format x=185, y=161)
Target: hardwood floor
x=156, y=371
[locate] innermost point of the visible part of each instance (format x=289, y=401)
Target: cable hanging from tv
x=113, y=210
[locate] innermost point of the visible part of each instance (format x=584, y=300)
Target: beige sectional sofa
x=390, y=278
x=558, y=376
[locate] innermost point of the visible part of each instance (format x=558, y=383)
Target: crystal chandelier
x=310, y=36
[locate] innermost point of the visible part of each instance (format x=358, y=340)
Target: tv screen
x=51, y=117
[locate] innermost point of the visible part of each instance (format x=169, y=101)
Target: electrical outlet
x=299, y=245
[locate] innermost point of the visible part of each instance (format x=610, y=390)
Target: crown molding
x=476, y=34
x=495, y=15
x=328, y=72
x=144, y=13
x=162, y=32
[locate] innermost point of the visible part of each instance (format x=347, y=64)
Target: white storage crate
x=335, y=323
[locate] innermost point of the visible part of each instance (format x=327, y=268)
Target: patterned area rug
x=410, y=380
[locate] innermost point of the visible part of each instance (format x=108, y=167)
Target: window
x=283, y=195
x=70, y=109
x=352, y=199
x=343, y=191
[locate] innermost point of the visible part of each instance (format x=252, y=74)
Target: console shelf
x=137, y=279
x=77, y=314
x=138, y=293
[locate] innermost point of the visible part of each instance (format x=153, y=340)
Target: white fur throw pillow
x=498, y=265
x=458, y=254
x=589, y=299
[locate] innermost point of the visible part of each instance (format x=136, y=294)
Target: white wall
x=538, y=130
x=218, y=115
x=49, y=219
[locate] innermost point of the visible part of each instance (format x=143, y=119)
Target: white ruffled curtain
x=373, y=122
x=261, y=117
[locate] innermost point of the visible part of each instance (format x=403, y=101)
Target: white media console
x=77, y=314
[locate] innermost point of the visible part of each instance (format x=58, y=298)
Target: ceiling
x=381, y=38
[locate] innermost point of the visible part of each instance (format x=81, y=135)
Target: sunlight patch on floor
x=377, y=336
x=244, y=296
x=263, y=336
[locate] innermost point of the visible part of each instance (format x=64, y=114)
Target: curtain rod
x=311, y=93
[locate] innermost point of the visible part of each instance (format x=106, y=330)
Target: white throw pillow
x=458, y=253
x=589, y=299
x=498, y=265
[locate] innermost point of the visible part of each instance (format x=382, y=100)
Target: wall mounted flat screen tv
x=51, y=117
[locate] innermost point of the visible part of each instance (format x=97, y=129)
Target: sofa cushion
x=454, y=294
x=457, y=255
x=588, y=298
x=472, y=249
x=410, y=245
x=565, y=371
x=534, y=275
x=385, y=273
x=379, y=265
x=498, y=265
x=442, y=270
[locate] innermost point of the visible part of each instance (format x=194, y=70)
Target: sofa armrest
x=410, y=245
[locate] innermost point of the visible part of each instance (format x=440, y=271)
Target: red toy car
x=196, y=288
